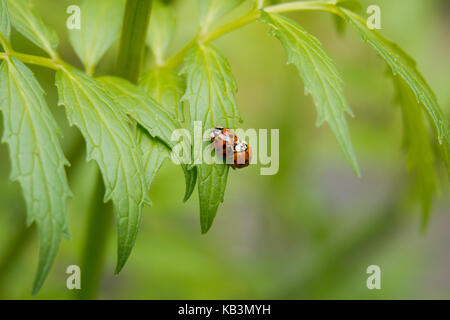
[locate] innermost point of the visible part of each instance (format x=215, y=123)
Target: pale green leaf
x=149, y=114
x=166, y=87
x=210, y=92
x=29, y=23
x=111, y=143
x=101, y=22
x=5, y=27
x=320, y=76
x=161, y=30
x=211, y=10
x=404, y=66
x=37, y=160
x=418, y=145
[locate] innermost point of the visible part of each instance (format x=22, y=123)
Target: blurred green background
x=308, y=232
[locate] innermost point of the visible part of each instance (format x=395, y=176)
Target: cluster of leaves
x=127, y=127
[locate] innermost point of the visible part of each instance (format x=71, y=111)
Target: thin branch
x=31, y=59
x=248, y=18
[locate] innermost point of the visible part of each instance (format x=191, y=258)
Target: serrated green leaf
x=29, y=23
x=419, y=150
x=403, y=65
x=37, y=159
x=212, y=181
x=210, y=92
x=161, y=30
x=111, y=143
x=5, y=26
x=149, y=114
x=211, y=10
x=166, y=87
x=320, y=76
x=142, y=108
x=101, y=22
x=210, y=88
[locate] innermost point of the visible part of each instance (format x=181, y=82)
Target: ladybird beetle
x=224, y=141
x=227, y=144
x=242, y=155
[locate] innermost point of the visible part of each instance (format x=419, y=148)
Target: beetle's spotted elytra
x=242, y=155
x=223, y=140
x=228, y=145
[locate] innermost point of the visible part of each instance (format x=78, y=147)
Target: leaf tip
x=205, y=228
x=355, y=166
x=38, y=282
x=424, y=225
x=120, y=264
x=35, y=290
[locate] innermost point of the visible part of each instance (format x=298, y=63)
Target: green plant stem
x=303, y=6
x=248, y=18
x=99, y=225
x=132, y=39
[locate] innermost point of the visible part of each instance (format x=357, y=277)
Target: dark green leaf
x=404, y=66
x=417, y=142
x=320, y=76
